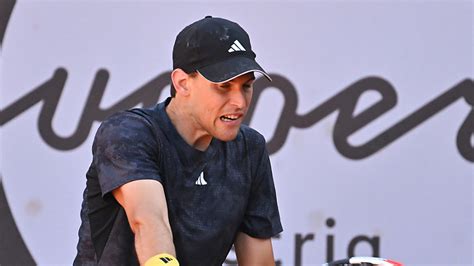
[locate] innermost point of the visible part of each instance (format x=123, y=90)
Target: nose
x=238, y=98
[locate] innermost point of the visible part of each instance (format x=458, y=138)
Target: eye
x=224, y=85
x=247, y=86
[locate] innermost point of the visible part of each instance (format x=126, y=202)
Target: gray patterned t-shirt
x=211, y=195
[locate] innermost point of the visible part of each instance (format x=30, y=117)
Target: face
x=218, y=109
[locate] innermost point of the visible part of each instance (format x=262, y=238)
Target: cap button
x=208, y=17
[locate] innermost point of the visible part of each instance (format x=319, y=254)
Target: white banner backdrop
x=345, y=72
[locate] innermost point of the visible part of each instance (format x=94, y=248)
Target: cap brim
x=230, y=69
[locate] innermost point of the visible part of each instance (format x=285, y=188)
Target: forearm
x=153, y=239
x=145, y=205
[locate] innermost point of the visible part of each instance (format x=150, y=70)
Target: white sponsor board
x=406, y=196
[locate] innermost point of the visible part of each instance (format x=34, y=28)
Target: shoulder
x=252, y=137
x=256, y=147
x=124, y=121
x=131, y=125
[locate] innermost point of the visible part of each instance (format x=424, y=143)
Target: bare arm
x=145, y=205
x=252, y=251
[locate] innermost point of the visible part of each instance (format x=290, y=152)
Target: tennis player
x=183, y=181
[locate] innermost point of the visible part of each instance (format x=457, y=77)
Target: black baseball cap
x=217, y=48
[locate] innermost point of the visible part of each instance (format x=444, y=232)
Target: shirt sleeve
x=125, y=149
x=262, y=218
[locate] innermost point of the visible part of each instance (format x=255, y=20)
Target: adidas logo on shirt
x=201, y=181
x=236, y=47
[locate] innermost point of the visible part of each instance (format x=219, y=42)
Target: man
x=184, y=180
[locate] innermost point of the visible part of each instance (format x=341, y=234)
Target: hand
x=162, y=260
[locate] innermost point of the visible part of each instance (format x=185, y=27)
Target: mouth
x=230, y=117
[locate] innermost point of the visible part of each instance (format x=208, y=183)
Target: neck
x=187, y=128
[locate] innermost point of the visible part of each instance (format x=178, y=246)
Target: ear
x=180, y=80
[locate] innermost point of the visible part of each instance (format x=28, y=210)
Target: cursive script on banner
x=344, y=102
